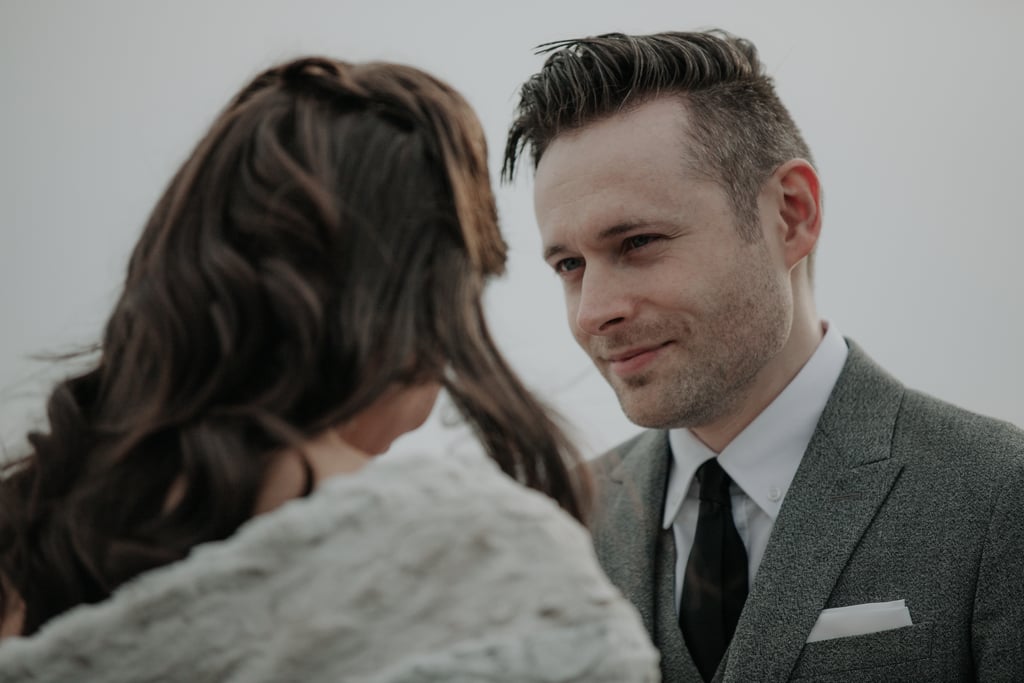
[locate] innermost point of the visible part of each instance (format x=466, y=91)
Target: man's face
x=677, y=311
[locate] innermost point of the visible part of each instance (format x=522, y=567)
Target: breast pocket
x=899, y=654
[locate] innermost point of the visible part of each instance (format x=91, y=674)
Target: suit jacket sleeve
x=997, y=630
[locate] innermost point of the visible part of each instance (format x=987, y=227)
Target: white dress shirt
x=761, y=461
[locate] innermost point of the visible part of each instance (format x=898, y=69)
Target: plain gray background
x=912, y=109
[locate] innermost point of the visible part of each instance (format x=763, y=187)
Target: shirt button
x=774, y=494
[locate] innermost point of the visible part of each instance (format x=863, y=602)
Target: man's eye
x=568, y=264
x=637, y=241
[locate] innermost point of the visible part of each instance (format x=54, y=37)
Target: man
x=792, y=511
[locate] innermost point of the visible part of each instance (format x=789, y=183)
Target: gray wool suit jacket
x=898, y=497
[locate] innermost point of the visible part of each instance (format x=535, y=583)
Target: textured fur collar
x=417, y=568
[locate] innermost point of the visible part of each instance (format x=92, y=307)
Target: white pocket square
x=858, y=620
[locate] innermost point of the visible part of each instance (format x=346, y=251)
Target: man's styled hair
x=740, y=130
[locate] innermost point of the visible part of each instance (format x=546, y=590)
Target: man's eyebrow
x=553, y=250
x=619, y=229
x=607, y=233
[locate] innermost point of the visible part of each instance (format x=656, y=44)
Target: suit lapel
x=844, y=478
x=636, y=553
x=676, y=661
x=631, y=490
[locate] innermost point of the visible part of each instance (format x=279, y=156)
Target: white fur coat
x=416, y=569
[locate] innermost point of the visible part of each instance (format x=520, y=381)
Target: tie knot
x=714, y=483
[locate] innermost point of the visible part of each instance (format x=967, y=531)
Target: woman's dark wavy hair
x=329, y=237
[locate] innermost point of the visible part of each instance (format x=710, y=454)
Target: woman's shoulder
x=453, y=498
x=438, y=566
x=510, y=582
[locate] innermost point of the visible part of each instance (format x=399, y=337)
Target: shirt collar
x=762, y=460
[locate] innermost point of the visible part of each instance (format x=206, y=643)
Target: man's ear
x=799, y=209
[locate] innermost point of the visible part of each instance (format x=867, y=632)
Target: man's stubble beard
x=716, y=365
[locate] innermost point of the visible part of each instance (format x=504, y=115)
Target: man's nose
x=604, y=301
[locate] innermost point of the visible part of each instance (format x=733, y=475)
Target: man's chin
x=651, y=409
x=642, y=414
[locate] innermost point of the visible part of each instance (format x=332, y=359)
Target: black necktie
x=715, y=585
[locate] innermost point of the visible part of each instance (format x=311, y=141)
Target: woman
x=309, y=280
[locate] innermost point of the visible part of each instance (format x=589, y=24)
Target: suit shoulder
x=943, y=428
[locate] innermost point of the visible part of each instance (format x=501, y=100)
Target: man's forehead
x=665, y=118
x=648, y=141
x=585, y=184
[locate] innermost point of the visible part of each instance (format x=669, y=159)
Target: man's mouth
x=633, y=360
